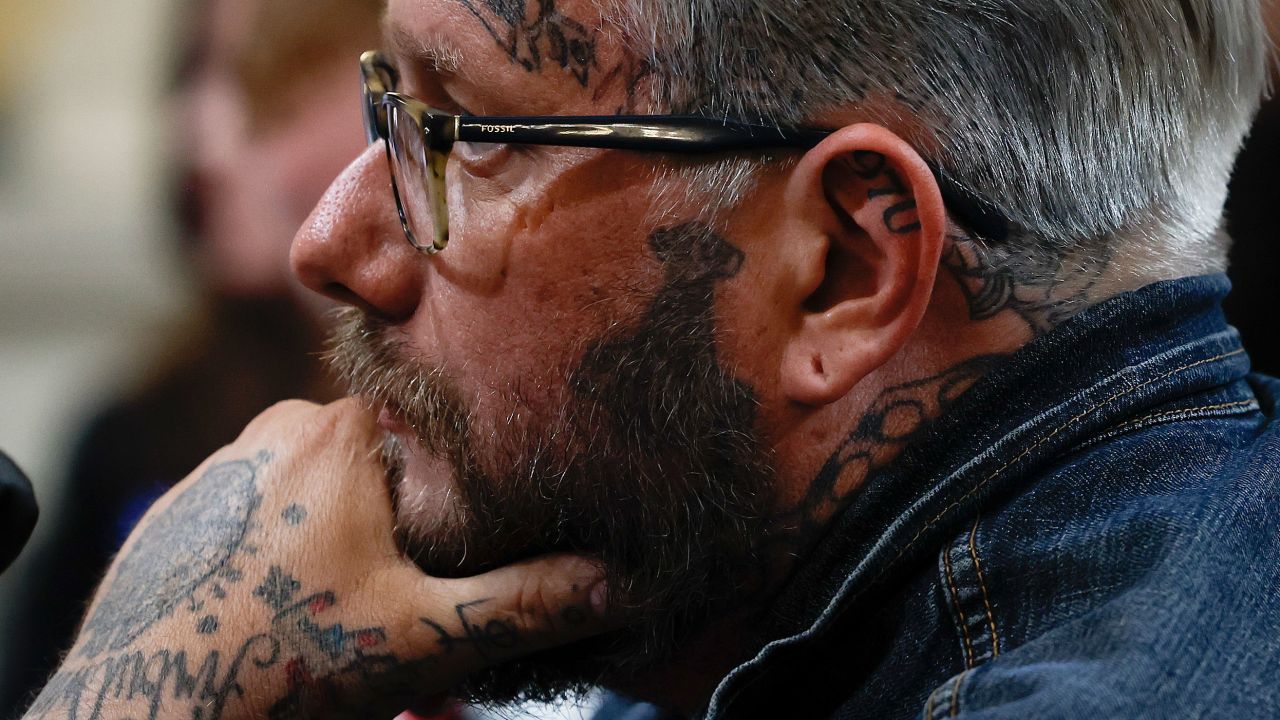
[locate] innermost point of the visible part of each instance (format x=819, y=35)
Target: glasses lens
x=411, y=174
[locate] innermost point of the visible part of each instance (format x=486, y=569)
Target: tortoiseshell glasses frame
x=419, y=139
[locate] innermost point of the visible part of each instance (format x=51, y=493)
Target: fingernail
x=600, y=598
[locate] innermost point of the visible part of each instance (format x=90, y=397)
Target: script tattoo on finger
x=359, y=657
x=496, y=635
x=533, y=34
x=322, y=659
x=184, y=556
x=381, y=673
x=493, y=636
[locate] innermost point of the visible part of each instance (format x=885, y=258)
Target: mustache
x=364, y=354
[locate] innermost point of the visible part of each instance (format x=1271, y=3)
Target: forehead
x=559, y=56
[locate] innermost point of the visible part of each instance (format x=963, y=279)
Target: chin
x=443, y=526
x=431, y=518
x=425, y=493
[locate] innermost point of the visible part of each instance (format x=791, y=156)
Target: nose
x=352, y=248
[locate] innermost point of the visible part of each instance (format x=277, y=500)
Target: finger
x=344, y=420
x=283, y=412
x=512, y=611
x=340, y=440
x=340, y=456
x=348, y=420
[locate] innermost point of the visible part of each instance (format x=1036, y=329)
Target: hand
x=268, y=584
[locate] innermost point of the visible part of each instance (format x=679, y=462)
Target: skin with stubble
x=689, y=399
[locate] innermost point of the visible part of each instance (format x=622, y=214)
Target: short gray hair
x=1106, y=126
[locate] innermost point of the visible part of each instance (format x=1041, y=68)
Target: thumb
x=514, y=611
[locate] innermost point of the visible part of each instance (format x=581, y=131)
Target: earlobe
x=879, y=212
x=816, y=376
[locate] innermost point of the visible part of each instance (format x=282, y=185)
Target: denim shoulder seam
x=1200, y=412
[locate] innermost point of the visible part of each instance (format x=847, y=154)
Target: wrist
x=221, y=679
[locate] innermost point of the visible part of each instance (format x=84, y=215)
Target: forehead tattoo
x=534, y=34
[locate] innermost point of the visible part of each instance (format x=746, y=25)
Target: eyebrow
x=437, y=53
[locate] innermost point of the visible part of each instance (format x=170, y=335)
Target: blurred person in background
x=266, y=115
x=1255, y=254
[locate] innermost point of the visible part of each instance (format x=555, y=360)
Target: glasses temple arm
x=694, y=135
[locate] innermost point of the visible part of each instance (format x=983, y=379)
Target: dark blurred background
x=1252, y=220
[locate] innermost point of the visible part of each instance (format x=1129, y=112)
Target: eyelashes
x=483, y=159
x=429, y=88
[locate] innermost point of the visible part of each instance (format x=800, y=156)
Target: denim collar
x=1092, y=373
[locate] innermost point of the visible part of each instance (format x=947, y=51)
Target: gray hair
x=1103, y=128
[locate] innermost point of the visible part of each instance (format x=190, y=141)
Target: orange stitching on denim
x=972, y=491
x=928, y=707
x=982, y=582
x=955, y=600
x=1182, y=411
x=955, y=694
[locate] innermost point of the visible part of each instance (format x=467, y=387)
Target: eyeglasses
x=420, y=138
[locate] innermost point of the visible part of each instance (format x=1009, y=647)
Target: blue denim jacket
x=1092, y=531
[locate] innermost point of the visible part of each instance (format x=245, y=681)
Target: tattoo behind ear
x=1042, y=295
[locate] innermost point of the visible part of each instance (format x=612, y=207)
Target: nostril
x=344, y=294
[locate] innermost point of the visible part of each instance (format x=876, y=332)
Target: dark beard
x=651, y=463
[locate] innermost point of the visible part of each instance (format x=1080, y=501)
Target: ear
x=871, y=225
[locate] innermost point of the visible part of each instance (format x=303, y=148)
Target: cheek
x=751, y=332
x=754, y=310
x=530, y=280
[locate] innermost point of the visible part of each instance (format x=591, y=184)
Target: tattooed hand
x=268, y=584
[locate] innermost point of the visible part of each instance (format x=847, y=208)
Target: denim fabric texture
x=1091, y=531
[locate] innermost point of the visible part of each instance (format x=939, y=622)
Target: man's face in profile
x=552, y=380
